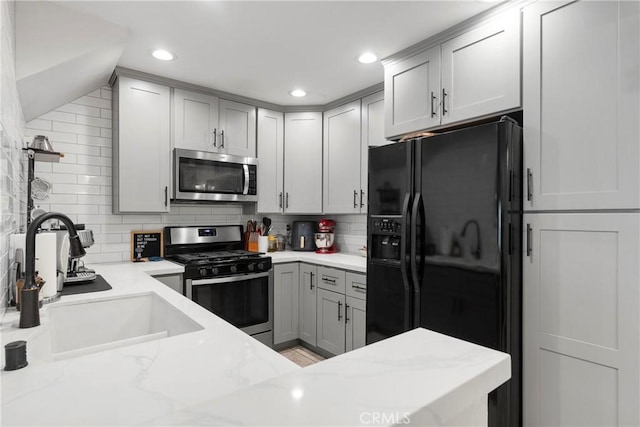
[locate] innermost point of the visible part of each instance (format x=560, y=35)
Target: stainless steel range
x=222, y=277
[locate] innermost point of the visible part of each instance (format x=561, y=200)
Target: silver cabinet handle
x=280, y=200
x=355, y=197
x=339, y=309
x=444, y=100
x=529, y=244
x=286, y=203
x=346, y=313
x=311, y=281
x=328, y=280
x=221, y=139
x=215, y=137
x=360, y=288
x=166, y=196
x=433, y=110
x=361, y=198
x=529, y=184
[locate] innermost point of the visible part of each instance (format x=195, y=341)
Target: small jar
x=273, y=243
x=282, y=242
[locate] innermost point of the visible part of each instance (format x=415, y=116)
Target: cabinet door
x=481, y=70
x=307, y=304
x=341, y=148
x=285, y=303
x=372, y=132
x=237, y=128
x=581, y=301
x=356, y=285
x=271, y=161
x=355, y=322
x=303, y=162
x=331, y=318
x=581, y=97
x=195, y=119
x=142, y=147
x=412, y=93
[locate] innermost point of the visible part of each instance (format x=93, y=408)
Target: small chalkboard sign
x=145, y=244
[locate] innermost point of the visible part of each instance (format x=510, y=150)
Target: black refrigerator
x=445, y=247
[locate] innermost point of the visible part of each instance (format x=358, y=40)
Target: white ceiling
x=263, y=49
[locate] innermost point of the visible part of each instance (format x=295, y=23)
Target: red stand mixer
x=325, y=239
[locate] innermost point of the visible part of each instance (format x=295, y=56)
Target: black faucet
x=474, y=251
x=29, y=304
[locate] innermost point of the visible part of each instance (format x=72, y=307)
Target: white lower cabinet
x=581, y=298
x=307, y=303
x=285, y=302
x=331, y=321
x=173, y=281
x=355, y=322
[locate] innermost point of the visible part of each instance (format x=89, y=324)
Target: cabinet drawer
x=356, y=285
x=331, y=279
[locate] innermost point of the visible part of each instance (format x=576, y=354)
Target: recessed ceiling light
x=298, y=93
x=367, y=58
x=163, y=55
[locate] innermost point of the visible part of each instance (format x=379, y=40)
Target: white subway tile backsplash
x=94, y=121
x=141, y=219
x=54, y=137
x=106, y=133
x=94, y=160
x=120, y=228
x=74, y=128
x=106, y=152
x=63, y=199
x=100, y=219
x=75, y=209
x=93, y=102
x=105, y=114
x=94, y=258
x=107, y=238
x=57, y=178
x=42, y=167
x=94, y=180
x=69, y=158
x=39, y=124
x=75, y=169
x=77, y=189
x=94, y=140
x=115, y=247
x=59, y=116
x=94, y=200
x=80, y=109
x=106, y=93
x=105, y=171
x=106, y=190
x=96, y=93
x=75, y=148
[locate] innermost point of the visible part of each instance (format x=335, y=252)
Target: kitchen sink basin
x=75, y=329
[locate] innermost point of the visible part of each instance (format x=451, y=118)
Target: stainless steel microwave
x=206, y=176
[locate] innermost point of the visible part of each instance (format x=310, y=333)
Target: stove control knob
x=251, y=267
x=260, y=266
x=214, y=271
x=234, y=269
x=203, y=271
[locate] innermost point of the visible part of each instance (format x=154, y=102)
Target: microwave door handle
x=245, y=190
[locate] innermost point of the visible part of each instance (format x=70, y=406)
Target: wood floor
x=301, y=356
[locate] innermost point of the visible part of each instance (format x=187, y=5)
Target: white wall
x=12, y=160
x=82, y=185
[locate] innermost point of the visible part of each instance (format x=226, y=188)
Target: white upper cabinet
x=271, y=161
x=195, y=121
x=481, y=70
x=412, y=93
x=372, y=125
x=472, y=75
x=205, y=123
x=141, y=146
x=341, y=166
x=581, y=102
x=237, y=133
x=303, y=162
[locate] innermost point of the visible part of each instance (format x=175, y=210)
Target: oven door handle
x=228, y=279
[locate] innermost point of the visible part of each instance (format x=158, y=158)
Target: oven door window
x=242, y=304
x=208, y=176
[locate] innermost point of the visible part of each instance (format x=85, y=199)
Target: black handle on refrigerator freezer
x=417, y=268
x=404, y=264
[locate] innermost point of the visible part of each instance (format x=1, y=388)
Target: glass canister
x=282, y=242
x=273, y=243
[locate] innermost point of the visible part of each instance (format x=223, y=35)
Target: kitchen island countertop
x=220, y=376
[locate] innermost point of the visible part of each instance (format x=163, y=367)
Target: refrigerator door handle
x=404, y=264
x=417, y=268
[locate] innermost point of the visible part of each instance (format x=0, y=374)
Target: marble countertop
x=221, y=376
x=338, y=260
